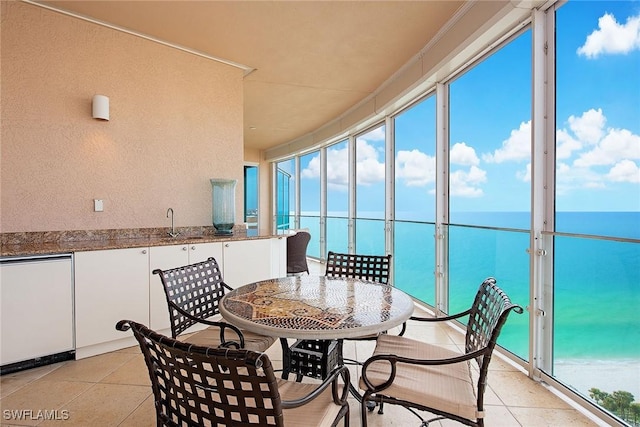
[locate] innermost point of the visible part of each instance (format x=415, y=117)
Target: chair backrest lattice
x=375, y=268
x=194, y=385
x=196, y=289
x=487, y=315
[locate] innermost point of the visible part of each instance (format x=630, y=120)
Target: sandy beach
x=606, y=375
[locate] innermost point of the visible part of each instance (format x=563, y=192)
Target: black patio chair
x=426, y=377
x=197, y=386
x=315, y=358
x=193, y=293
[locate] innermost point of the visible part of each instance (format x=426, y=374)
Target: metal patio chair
x=315, y=358
x=193, y=293
x=205, y=386
x=426, y=377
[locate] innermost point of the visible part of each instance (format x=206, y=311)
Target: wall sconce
x=100, y=108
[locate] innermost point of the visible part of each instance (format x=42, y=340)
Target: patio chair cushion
x=210, y=337
x=447, y=387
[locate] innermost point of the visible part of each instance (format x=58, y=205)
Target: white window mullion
x=389, y=204
x=352, y=195
x=296, y=181
x=442, y=198
x=542, y=197
x=323, y=203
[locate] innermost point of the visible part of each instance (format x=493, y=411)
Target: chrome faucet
x=172, y=233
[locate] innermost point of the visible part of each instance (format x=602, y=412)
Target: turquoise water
x=597, y=282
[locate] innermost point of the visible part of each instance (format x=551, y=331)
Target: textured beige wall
x=176, y=122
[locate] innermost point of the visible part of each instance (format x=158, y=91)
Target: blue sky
x=597, y=122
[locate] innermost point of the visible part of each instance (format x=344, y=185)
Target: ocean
x=596, y=332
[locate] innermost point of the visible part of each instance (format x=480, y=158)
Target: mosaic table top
x=316, y=307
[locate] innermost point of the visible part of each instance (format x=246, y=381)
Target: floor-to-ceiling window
x=310, y=200
x=337, y=222
x=415, y=176
x=251, y=197
x=596, y=269
x=370, y=192
x=593, y=268
x=489, y=181
x=285, y=195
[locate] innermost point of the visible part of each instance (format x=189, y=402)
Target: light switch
x=98, y=205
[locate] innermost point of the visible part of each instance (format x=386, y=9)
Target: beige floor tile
x=133, y=372
x=143, y=416
x=104, y=405
x=540, y=417
x=91, y=369
x=132, y=350
x=519, y=390
x=9, y=383
x=122, y=394
x=42, y=395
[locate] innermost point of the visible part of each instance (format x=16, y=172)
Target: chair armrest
x=393, y=359
x=222, y=325
x=441, y=319
x=332, y=379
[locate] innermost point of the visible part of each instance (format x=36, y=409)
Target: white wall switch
x=98, y=205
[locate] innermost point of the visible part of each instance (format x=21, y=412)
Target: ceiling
x=307, y=62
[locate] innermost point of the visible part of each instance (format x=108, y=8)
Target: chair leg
x=285, y=358
x=364, y=409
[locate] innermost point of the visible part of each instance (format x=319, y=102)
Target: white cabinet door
x=247, y=261
x=36, y=307
x=162, y=257
x=110, y=285
x=166, y=257
x=279, y=257
x=199, y=252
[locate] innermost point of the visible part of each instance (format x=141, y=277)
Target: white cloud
x=612, y=37
x=516, y=148
x=338, y=168
x=525, y=175
x=466, y=184
x=462, y=154
x=369, y=170
x=416, y=168
x=378, y=134
x=312, y=171
x=589, y=127
x=570, y=177
x=588, y=146
x=566, y=144
x=617, y=144
x=625, y=171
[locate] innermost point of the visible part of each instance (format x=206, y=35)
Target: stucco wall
x=176, y=122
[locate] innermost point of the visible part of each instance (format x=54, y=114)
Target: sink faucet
x=172, y=233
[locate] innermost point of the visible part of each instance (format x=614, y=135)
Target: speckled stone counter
x=57, y=242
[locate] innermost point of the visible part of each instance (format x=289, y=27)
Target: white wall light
x=100, y=108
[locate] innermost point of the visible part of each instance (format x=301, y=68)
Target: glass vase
x=224, y=204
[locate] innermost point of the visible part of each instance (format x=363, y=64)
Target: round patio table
x=316, y=307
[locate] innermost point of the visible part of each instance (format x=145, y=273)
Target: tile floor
x=113, y=389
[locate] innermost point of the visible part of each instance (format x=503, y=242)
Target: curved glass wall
x=370, y=192
x=415, y=200
x=310, y=200
x=586, y=280
x=337, y=234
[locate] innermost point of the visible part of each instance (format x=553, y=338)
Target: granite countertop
x=58, y=242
